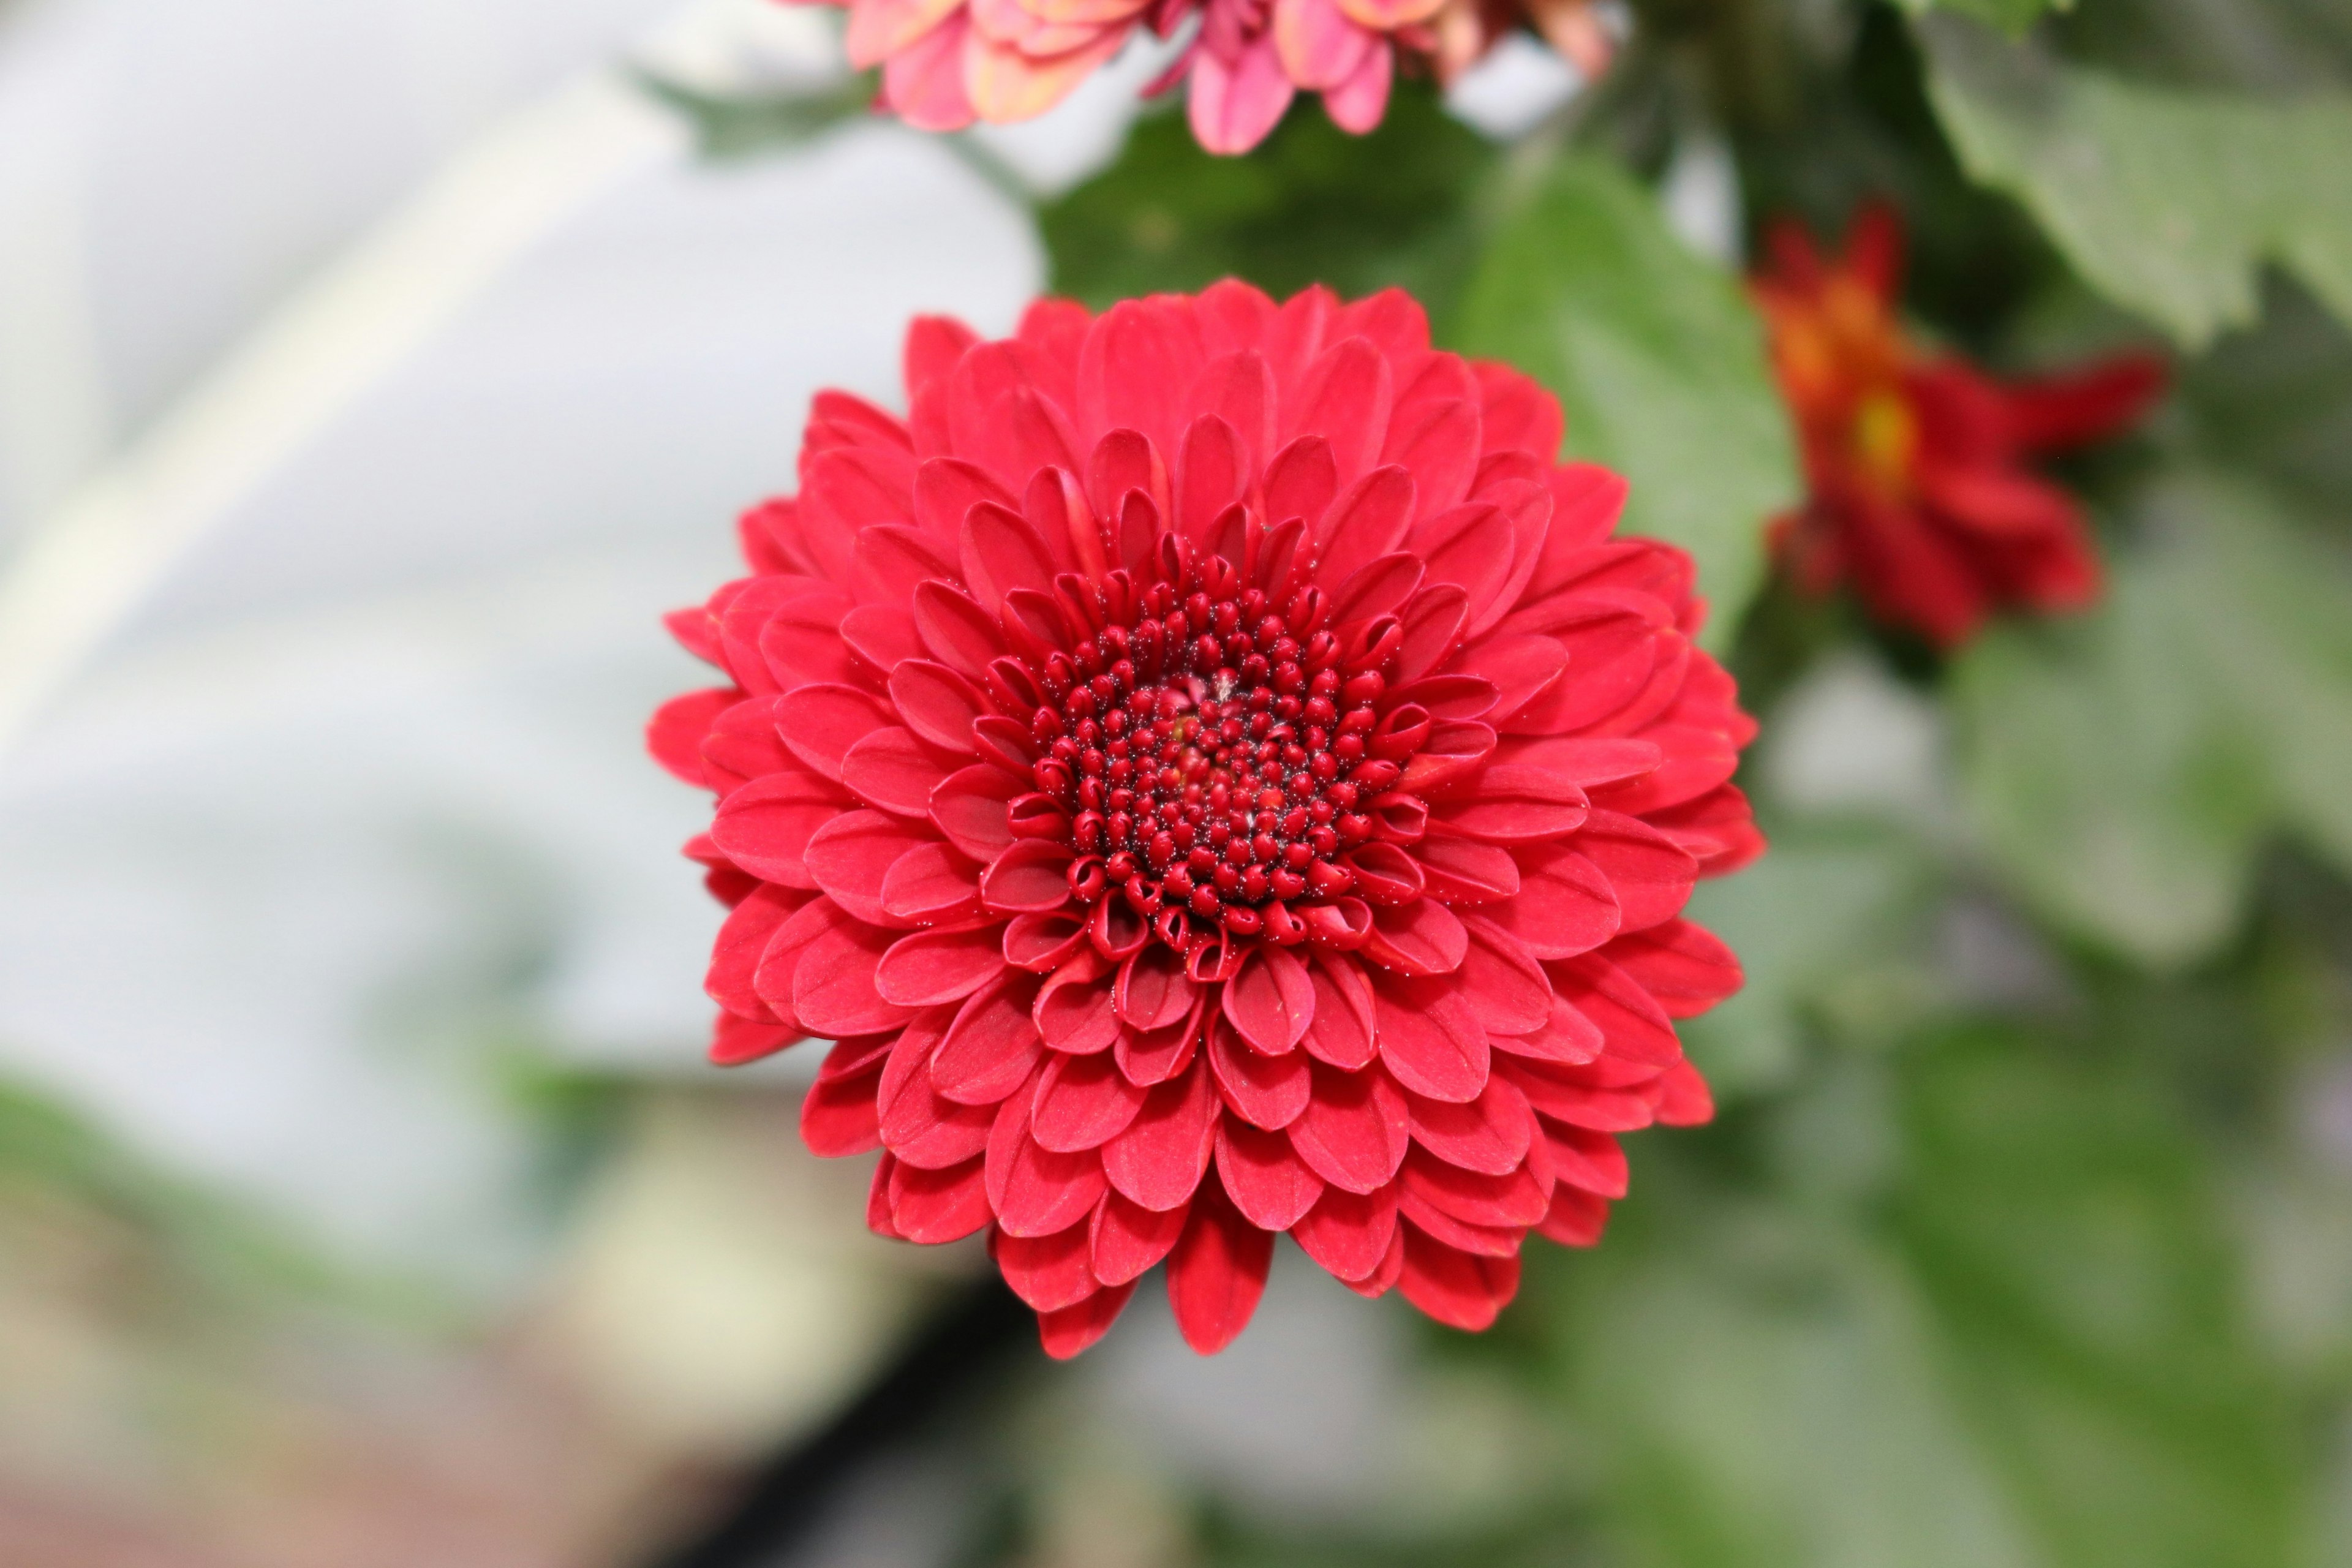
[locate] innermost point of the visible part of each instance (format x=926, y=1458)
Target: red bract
x=1214, y=774
x=1915, y=462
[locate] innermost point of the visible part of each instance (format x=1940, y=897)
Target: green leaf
x=1314, y=205
x=2011, y=16
x=2275, y=623
x=2063, y=1222
x=2108, y=779
x=2125, y=770
x=1658, y=359
x=2168, y=201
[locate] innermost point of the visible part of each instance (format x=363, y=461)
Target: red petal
x=1505, y=982
x=1154, y=993
x=838, y=1118
x=764, y=826
x=891, y=770
x=735, y=957
x=1489, y=1135
x=1083, y=1102
x=1637, y=1030
x=1035, y=1191
x=1569, y=1097
x=1048, y=1272
x=1073, y=1329
x=992, y=1047
x=1267, y=1092
x=1379, y=586
x=1267, y=1182
x=832, y=988
x=1576, y=1219
x=935, y=966
x=1212, y=474
x=1512, y=802
x=1684, y=966
x=959, y=633
x=1590, y=1161
x=1040, y=943
x=929, y=885
x=937, y=1206
x=1301, y=481
x=1340, y=1031
x=1159, y=1161
x=850, y=856
x=674, y=736
x=1073, y=1010
x=1270, y=999
x=1566, y=904
x=1350, y=1234
x=937, y=703
x=1455, y=1288
x=820, y=723
x=1354, y=1130
x=1430, y=1038
x=1650, y=877
x=1345, y=399
x=1682, y=1098
x=736, y=1041
x=1129, y=1238
x=1217, y=1273
x=969, y=807
x=1566, y=1036
x=1367, y=522
x=1423, y=937
x=1031, y=876
x=930, y=1132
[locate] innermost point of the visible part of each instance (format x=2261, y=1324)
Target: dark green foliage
x=1313, y=205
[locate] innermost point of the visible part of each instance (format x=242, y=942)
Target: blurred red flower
x=1215, y=735
x=1915, y=462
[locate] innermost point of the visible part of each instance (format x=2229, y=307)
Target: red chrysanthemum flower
x=1915, y=462
x=1214, y=737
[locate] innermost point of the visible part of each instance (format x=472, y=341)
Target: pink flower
x=946, y=63
x=1215, y=775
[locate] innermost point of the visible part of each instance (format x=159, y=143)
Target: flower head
x=1915, y=462
x=1214, y=774
x=946, y=63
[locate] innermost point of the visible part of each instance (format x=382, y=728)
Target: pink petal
x=1231, y=108
x=1356, y=104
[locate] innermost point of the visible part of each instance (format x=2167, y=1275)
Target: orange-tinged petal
x=1005, y=84
x=1320, y=46
x=881, y=28
x=1387, y=15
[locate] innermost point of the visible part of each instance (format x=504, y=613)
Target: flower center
x=1215, y=755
